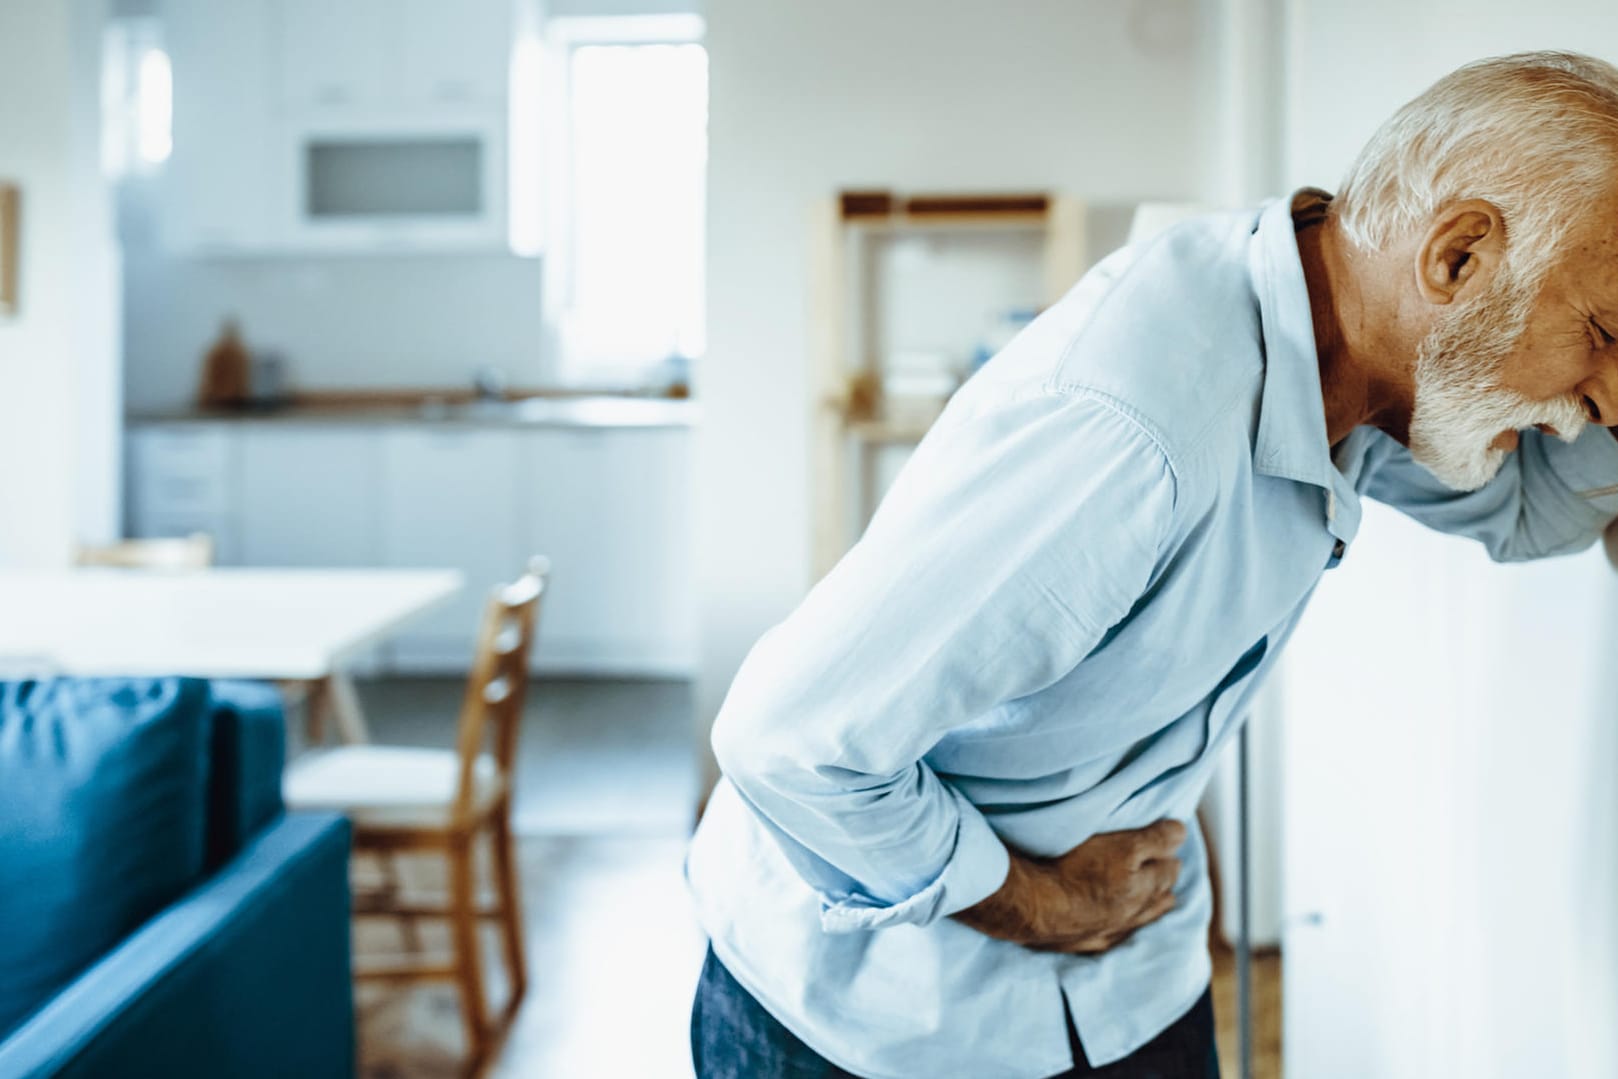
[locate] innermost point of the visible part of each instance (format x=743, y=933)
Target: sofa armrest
x=247, y=755
x=246, y=976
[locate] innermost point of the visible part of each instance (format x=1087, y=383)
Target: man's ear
x=1460, y=252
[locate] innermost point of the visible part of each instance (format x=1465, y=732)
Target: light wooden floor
x=613, y=955
x=1266, y=991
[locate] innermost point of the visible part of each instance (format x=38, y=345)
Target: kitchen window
x=137, y=97
x=624, y=275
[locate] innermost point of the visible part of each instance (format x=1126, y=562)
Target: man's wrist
x=1015, y=911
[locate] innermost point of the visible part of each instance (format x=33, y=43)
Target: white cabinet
x=609, y=507
x=454, y=53
x=182, y=479
x=335, y=53
x=449, y=498
x=217, y=180
x=341, y=126
x=373, y=53
x=309, y=497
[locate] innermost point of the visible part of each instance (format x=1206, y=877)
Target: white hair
x=1536, y=134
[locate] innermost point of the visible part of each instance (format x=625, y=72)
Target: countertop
x=588, y=411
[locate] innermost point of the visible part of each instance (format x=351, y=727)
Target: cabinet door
x=609, y=507
x=336, y=52
x=449, y=500
x=217, y=183
x=182, y=479
x=309, y=497
x=453, y=53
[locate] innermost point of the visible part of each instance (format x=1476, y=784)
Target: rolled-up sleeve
x=1549, y=498
x=1016, y=536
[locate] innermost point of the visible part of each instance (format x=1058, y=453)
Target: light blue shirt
x=1050, y=628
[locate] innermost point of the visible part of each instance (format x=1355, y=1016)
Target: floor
x=606, y=784
x=1266, y=998
x=605, y=792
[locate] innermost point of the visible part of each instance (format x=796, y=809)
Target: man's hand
x=1089, y=899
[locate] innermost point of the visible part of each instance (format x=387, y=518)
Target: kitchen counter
x=585, y=411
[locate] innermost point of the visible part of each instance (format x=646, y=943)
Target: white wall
x=58, y=357
x=1099, y=98
x=1452, y=733
x=428, y=320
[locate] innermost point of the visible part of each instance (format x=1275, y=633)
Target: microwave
x=363, y=181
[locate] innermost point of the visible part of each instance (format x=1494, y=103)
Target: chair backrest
x=182, y=553
x=499, y=680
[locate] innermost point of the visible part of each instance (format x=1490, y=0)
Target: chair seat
x=388, y=785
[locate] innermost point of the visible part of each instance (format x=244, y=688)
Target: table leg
x=310, y=695
x=344, y=702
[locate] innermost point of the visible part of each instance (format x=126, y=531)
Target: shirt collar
x=1291, y=441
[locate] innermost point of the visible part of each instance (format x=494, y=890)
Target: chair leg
x=393, y=886
x=505, y=868
x=464, y=931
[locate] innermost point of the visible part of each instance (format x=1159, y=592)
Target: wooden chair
x=184, y=553
x=404, y=800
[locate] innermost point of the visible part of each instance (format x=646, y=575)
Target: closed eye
x=1606, y=338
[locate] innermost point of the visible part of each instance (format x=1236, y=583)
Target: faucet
x=490, y=383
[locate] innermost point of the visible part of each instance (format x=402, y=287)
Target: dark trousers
x=733, y=1037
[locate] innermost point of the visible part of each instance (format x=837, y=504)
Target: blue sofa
x=159, y=913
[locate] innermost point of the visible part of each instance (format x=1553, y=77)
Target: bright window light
x=637, y=152
x=137, y=97
x=154, y=111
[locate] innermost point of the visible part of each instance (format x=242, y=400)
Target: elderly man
x=952, y=836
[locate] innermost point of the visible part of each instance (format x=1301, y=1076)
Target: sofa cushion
x=249, y=751
x=103, y=786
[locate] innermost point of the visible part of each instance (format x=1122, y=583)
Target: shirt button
x=1338, y=548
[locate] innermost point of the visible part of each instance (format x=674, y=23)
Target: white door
x=449, y=499
x=1372, y=820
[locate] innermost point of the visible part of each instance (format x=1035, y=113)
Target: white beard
x=1458, y=415
x=1460, y=407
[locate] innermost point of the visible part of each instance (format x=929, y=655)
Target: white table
x=286, y=625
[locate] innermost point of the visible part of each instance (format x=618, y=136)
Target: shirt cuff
x=976, y=869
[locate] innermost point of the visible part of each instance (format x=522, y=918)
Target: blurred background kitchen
x=664, y=290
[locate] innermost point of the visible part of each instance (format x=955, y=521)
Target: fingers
x=1095, y=943
x=1160, y=874
x=1155, y=909
x=1158, y=839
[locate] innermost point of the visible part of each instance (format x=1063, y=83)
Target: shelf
x=889, y=431
x=973, y=255
x=962, y=222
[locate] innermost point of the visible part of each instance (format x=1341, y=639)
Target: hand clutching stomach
x=1091, y=898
